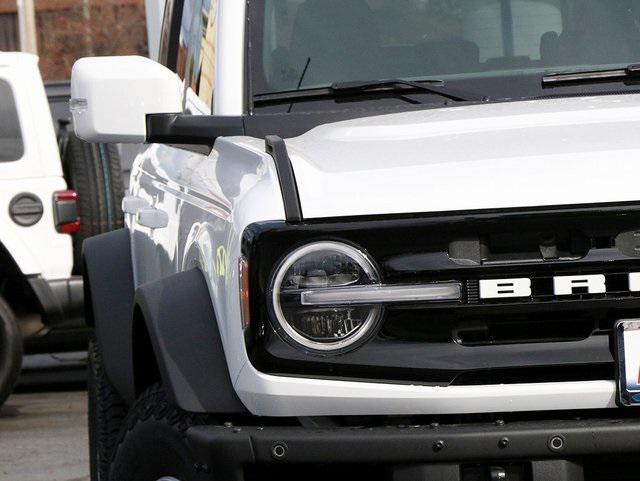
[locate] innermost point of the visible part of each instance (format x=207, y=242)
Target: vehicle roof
x=14, y=59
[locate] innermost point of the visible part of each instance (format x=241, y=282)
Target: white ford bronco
x=370, y=239
x=51, y=196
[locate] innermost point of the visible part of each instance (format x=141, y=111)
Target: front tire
x=107, y=411
x=10, y=351
x=152, y=445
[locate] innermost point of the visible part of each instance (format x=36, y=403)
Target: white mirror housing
x=112, y=96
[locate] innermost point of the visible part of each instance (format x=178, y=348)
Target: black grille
x=473, y=291
x=475, y=341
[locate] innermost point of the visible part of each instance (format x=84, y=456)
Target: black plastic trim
x=61, y=301
x=182, y=325
x=277, y=149
x=186, y=129
x=108, y=292
x=233, y=448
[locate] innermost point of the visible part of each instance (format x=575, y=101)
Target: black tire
x=95, y=173
x=153, y=445
x=10, y=351
x=107, y=412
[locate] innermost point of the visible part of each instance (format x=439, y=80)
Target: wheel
x=107, y=411
x=10, y=351
x=94, y=172
x=152, y=446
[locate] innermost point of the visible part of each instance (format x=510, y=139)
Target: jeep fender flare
x=183, y=331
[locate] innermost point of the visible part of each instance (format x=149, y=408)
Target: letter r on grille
x=505, y=288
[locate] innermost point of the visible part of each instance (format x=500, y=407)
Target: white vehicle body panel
x=281, y=396
x=39, y=249
x=229, y=93
x=497, y=156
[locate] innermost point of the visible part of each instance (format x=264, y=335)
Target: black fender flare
x=109, y=293
x=183, y=329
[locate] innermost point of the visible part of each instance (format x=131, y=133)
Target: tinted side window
x=186, y=26
x=11, y=146
x=195, y=56
x=202, y=51
x=168, y=34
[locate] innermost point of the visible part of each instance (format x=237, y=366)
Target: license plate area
x=627, y=337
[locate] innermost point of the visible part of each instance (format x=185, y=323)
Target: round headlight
x=320, y=267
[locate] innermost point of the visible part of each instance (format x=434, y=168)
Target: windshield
x=303, y=44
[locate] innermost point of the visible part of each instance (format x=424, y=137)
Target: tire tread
x=107, y=412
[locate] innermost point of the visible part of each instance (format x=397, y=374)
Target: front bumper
x=540, y=449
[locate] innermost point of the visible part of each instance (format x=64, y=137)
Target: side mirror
x=111, y=97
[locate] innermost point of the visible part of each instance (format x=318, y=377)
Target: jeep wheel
x=107, y=411
x=10, y=351
x=152, y=445
x=94, y=172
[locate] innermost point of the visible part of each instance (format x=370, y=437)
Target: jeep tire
x=107, y=411
x=95, y=173
x=152, y=443
x=10, y=351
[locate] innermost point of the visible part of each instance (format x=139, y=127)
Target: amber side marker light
x=243, y=274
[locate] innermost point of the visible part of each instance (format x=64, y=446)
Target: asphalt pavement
x=43, y=437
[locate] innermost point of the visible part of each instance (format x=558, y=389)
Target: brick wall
x=70, y=29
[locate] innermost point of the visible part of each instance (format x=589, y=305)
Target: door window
x=195, y=62
x=167, y=50
x=202, y=51
x=11, y=145
x=186, y=27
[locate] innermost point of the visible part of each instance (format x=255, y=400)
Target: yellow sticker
x=221, y=261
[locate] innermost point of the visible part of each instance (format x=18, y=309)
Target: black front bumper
x=532, y=450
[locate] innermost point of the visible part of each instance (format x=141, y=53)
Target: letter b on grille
x=505, y=288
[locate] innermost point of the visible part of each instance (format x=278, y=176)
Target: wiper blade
x=398, y=85
x=591, y=76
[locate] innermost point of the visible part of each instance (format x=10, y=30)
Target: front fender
x=183, y=330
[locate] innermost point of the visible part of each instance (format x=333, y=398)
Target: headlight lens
x=318, y=266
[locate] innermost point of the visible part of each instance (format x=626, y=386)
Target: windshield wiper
x=395, y=86
x=591, y=76
x=398, y=85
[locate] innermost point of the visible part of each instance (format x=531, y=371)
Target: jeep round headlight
x=321, y=268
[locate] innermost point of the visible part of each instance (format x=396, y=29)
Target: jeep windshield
x=498, y=49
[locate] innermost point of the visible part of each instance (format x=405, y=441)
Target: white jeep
x=42, y=217
x=370, y=239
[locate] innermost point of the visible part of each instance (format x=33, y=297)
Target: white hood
x=513, y=154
